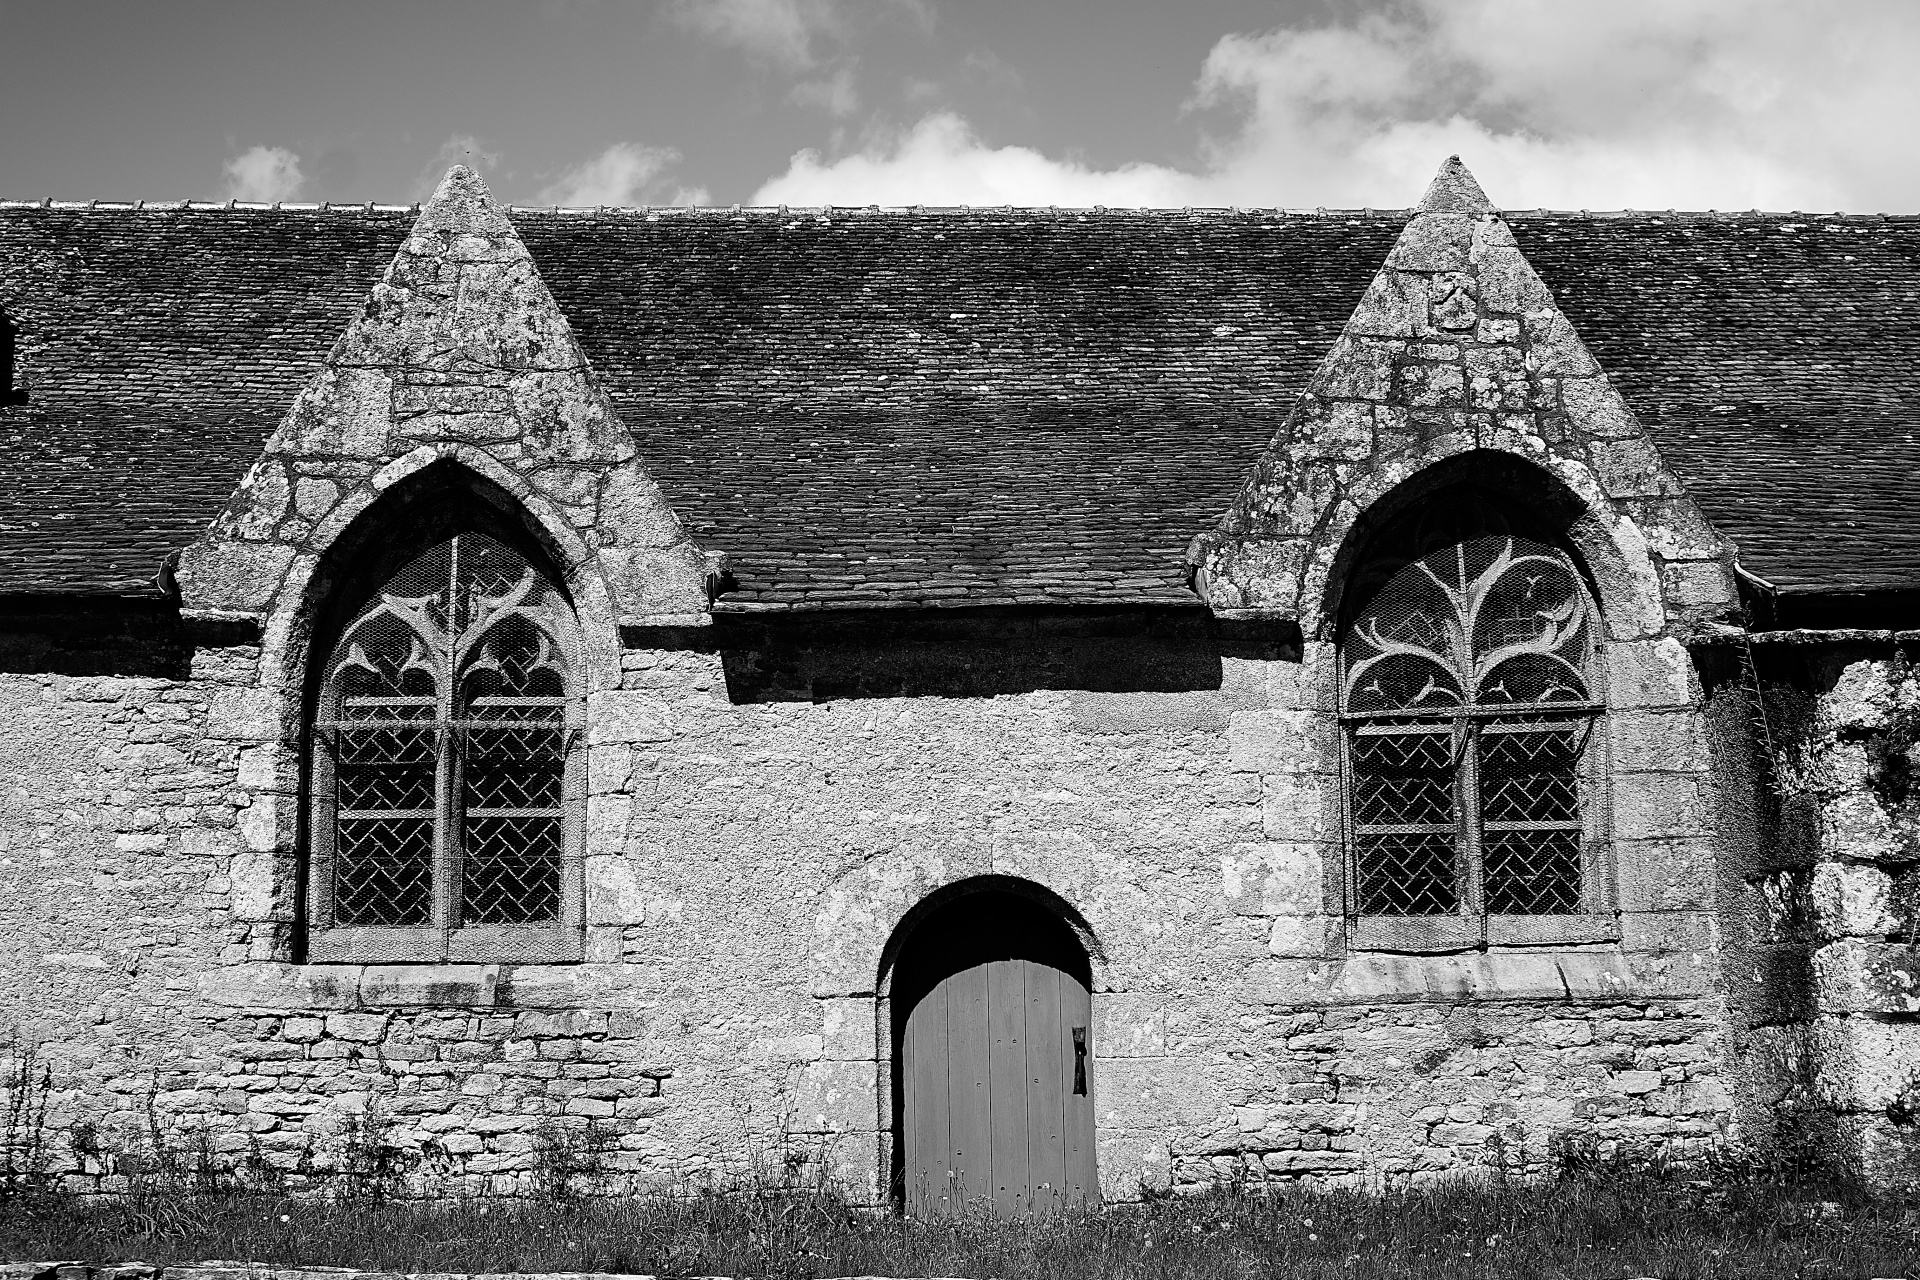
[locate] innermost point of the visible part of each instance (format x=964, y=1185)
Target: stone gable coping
x=1457, y=347
x=459, y=356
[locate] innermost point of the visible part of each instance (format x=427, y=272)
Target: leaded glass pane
x=383, y=870
x=1407, y=874
x=448, y=743
x=1403, y=778
x=1468, y=633
x=1533, y=872
x=512, y=870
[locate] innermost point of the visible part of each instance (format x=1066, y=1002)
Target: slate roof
x=954, y=406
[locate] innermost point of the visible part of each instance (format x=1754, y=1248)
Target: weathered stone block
x=1300, y=808
x=608, y=819
x=1629, y=468
x=1635, y=1083
x=1129, y=1025
x=1699, y=588
x=1596, y=411
x=1650, y=673
x=848, y=1033
x=232, y=576
x=1654, y=806
x=1282, y=741
x=626, y=717
x=1430, y=386
x=1854, y=900
x=1866, y=1064
x=429, y=985
x=1272, y=878
x=1552, y=345
x=1343, y=429
x=362, y=1028
x=1304, y=936
x=1664, y=875
x=1360, y=368
x=263, y=824
x=1862, y=697
x=1857, y=825
x=1856, y=976
x=609, y=767
x=1668, y=932
x=1658, y=741
x=1434, y=242
x=244, y=714
x=302, y=1030
x=1394, y=306
x=615, y=894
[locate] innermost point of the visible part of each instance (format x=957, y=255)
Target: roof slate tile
x=953, y=406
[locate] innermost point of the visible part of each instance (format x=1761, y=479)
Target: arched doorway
x=993, y=1065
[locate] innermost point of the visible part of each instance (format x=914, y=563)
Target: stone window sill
x=1439, y=934
x=475, y=944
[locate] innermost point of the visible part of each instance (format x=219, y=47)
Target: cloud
x=807, y=39
x=778, y=31
x=1647, y=103
x=834, y=94
x=460, y=148
x=942, y=161
x=787, y=33
x=626, y=173
x=264, y=174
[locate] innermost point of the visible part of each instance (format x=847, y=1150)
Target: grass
x=1596, y=1224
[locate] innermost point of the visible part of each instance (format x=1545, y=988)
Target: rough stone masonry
x=765, y=788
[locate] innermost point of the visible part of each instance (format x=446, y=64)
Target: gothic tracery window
x=1468, y=689
x=441, y=751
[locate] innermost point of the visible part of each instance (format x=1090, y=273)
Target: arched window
x=1470, y=694
x=442, y=815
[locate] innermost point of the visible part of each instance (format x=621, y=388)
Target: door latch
x=1080, y=1061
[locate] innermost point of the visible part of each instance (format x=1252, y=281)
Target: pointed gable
x=1456, y=346
x=459, y=353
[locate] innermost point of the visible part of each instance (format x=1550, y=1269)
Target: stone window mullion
x=441, y=767
x=1465, y=621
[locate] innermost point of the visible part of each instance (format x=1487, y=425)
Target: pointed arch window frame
x=1465, y=728
x=449, y=649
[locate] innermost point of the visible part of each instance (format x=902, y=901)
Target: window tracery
x=1469, y=696
x=441, y=749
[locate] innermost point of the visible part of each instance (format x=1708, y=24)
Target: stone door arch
x=993, y=1073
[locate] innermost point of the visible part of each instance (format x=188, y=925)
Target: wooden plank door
x=996, y=1075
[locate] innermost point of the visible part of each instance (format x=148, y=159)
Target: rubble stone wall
x=750, y=852
x=766, y=804
x=1842, y=890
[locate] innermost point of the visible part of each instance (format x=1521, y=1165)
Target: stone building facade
x=837, y=584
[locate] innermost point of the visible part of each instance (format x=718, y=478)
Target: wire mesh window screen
x=1467, y=689
x=444, y=719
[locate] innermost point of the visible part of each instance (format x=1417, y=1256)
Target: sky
x=1570, y=104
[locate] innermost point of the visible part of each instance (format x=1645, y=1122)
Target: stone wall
x=750, y=852
x=768, y=798
x=1842, y=890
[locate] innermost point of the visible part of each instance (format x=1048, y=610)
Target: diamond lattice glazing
x=447, y=739
x=1465, y=686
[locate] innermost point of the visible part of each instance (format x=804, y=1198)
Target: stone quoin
x=1041, y=705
